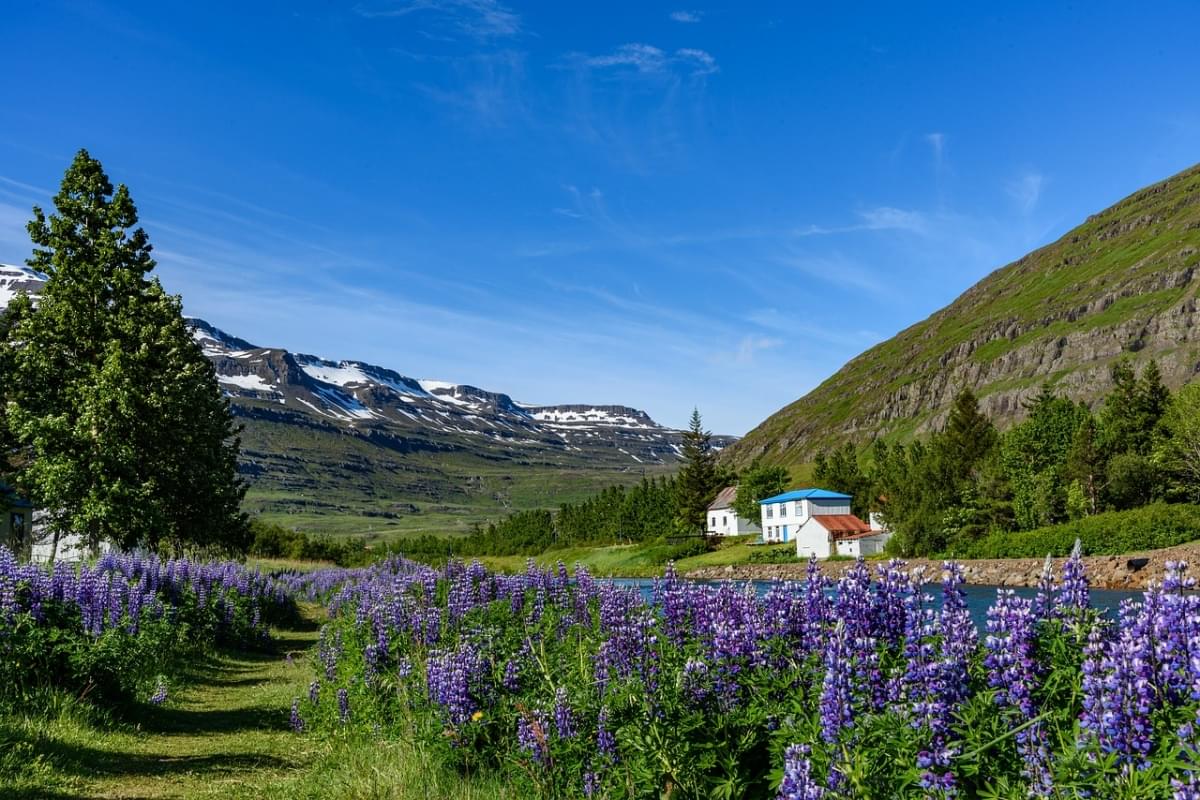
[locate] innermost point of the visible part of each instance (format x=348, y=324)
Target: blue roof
x=805, y=494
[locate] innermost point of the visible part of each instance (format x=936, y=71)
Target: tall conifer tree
x=125, y=434
x=699, y=480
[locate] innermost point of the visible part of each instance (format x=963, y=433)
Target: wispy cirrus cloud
x=686, y=16
x=937, y=145
x=481, y=19
x=648, y=59
x=1026, y=190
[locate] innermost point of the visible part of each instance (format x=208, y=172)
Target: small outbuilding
x=723, y=520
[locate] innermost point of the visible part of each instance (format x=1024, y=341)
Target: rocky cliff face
x=1121, y=285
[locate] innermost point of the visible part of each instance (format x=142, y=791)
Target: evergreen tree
x=969, y=435
x=1177, y=449
x=125, y=434
x=698, y=481
x=1133, y=408
x=1085, y=463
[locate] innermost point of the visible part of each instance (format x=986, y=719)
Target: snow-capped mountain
x=274, y=385
x=357, y=395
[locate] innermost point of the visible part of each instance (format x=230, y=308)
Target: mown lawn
x=629, y=560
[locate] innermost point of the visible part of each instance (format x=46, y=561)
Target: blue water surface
x=979, y=598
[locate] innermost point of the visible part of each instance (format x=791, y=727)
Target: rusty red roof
x=844, y=526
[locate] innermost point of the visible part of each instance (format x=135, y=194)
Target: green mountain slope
x=1122, y=284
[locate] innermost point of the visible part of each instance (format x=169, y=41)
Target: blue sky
x=661, y=205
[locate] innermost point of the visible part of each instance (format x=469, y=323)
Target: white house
x=819, y=522
x=723, y=520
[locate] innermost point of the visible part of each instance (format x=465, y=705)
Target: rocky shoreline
x=1128, y=571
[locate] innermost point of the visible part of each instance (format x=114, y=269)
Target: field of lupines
x=878, y=686
x=117, y=630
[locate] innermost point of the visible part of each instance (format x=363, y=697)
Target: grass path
x=224, y=734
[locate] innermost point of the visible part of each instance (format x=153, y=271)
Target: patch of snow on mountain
x=14, y=279
x=593, y=416
x=253, y=383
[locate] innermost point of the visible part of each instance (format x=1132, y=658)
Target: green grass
x=224, y=735
x=630, y=560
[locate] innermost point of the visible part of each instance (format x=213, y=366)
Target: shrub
x=1112, y=533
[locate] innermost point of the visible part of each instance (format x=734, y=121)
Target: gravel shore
x=1107, y=572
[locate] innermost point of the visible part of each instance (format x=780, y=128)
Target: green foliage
x=840, y=472
x=1177, y=446
x=1110, y=533
x=698, y=480
x=640, y=513
x=122, y=430
x=1034, y=457
x=1133, y=480
x=274, y=541
x=773, y=554
x=758, y=481
x=1061, y=463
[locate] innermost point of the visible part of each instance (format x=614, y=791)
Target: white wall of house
x=782, y=522
x=70, y=549
x=726, y=522
x=866, y=546
x=812, y=539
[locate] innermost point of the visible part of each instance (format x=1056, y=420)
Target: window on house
x=713, y=524
x=782, y=509
x=724, y=520
x=770, y=511
x=17, y=526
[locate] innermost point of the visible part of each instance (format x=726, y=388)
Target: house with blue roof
x=820, y=523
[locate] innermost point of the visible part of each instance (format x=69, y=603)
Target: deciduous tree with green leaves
x=1177, y=449
x=125, y=435
x=757, y=482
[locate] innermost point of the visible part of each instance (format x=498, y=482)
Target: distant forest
x=1062, y=463
x=950, y=493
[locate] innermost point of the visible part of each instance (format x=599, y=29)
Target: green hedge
x=1112, y=533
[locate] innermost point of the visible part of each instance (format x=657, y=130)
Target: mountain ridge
x=325, y=437
x=1122, y=284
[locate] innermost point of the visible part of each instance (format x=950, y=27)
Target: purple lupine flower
x=798, y=783
x=1073, y=596
x=296, y=720
x=564, y=718
x=454, y=680
x=591, y=783
x=160, y=694
x=532, y=736
x=695, y=681
x=1015, y=674
x=1187, y=787
x=1119, y=695
x=512, y=676
x=343, y=701
x=1043, y=602
x=606, y=743
x=837, y=711
x=314, y=692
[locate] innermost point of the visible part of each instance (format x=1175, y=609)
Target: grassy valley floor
x=224, y=735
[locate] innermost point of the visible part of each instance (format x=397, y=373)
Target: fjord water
x=979, y=598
